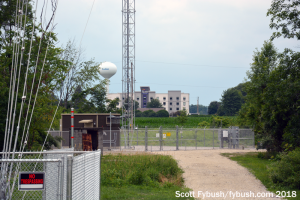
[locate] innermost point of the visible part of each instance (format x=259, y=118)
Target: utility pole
x=198, y=105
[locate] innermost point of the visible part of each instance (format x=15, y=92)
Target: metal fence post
x=62, y=179
x=69, y=177
x=137, y=136
x=204, y=137
x=213, y=138
x=177, y=138
x=196, y=137
x=253, y=138
x=146, y=138
x=160, y=138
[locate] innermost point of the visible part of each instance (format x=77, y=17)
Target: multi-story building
x=172, y=101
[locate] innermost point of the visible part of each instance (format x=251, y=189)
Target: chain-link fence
x=144, y=139
x=85, y=176
x=30, y=163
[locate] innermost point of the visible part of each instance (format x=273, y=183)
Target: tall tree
x=213, y=107
x=285, y=16
x=231, y=103
x=154, y=103
x=31, y=57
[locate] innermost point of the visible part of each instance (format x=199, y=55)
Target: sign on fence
x=31, y=181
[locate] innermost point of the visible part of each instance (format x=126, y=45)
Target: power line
x=176, y=85
x=167, y=63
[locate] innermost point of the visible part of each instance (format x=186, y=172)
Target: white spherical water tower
x=107, y=70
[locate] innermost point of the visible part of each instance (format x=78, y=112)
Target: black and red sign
x=31, y=180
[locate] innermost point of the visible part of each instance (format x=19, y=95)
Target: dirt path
x=207, y=170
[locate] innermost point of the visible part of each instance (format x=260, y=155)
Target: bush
x=138, y=113
x=286, y=172
x=149, y=113
x=162, y=113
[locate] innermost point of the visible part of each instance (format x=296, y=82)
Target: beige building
x=172, y=101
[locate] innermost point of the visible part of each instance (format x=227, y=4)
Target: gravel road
x=207, y=170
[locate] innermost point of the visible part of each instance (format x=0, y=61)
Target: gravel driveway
x=207, y=170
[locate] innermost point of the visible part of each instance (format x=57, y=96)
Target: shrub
x=138, y=113
x=286, y=172
x=162, y=113
x=149, y=113
x=203, y=124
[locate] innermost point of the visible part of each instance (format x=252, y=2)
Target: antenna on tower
x=128, y=66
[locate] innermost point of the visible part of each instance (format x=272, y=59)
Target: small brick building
x=91, y=130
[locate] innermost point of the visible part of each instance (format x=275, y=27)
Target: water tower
x=107, y=70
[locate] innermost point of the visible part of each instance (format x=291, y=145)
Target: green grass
x=258, y=167
x=170, y=122
x=141, y=176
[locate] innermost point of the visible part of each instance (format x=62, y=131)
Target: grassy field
x=141, y=176
x=170, y=122
x=187, y=137
x=258, y=167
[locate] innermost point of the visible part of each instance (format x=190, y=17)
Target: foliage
x=203, y=124
x=231, y=103
x=112, y=106
x=94, y=104
x=48, y=72
x=182, y=117
x=259, y=168
x=285, y=16
x=225, y=122
x=272, y=102
x=168, y=122
x=213, y=107
x=139, y=170
x=162, y=113
x=141, y=176
x=286, y=171
x=149, y=113
x=154, y=103
x=202, y=109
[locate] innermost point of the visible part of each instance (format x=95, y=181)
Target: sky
x=201, y=47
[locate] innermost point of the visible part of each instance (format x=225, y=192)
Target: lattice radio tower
x=128, y=66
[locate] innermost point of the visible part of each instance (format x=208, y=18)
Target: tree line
x=269, y=99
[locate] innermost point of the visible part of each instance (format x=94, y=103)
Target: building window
x=184, y=103
x=183, y=98
x=117, y=103
x=151, y=98
x=123, y=98
x=137, y=98
x=171, y=98
x=144, y=104
x=170, y=108
x=144, y=97
x=177, y=98
x=164, y=98
x=164, y=103
x=117, y=98
x=177, y=103
x=183, y=108
x=157, y=97
x=177, y=108
x=170, y=103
